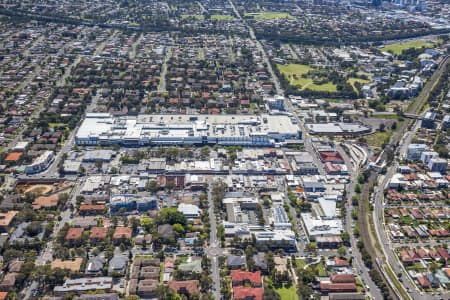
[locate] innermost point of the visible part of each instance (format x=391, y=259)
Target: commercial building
x=98, y=155
x=275, y=239
x=82, y=285
x=190, y=211
x=445, y=122
x=438, y=165
x=280, y=218
x=415, y=151
x=275, y=102
x=41, y=163
x=130, y=202
x=426, y=156
x=428, y=120
x=344, y=129
x=150, y=130
x=321, y=227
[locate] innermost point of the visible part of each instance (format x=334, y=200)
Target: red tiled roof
x=342, y=278
x=46, y=202
x=92, y=207
x=447, y=272
x=98, y=232
x=241, y=292
x=122, y=232
x=443, y=253
x=239, y=276
x=330, y=156
x=340, y=262
x=337, y=287
x=74, y=233
x=191, y=286
x=423, y=281
x=14, y=156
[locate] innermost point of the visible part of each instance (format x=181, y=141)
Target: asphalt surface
x=214, y=247
x=358, y=262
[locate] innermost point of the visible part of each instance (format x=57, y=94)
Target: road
x=275, y=80
x=378, y=213
x=358, y=262
x=214, y=248
x=162, y=77
x=133, y=52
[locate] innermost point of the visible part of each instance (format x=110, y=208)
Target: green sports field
x=397, y=48
x=293, y=73
x=268, y=15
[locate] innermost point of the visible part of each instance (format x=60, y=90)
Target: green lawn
x=57, y=125
x=161, y=272
x=397, y=48
x=386, y=116
x=197, y=17
x=221, y=17
x=397, y=284
x=377, y=139
x=268, y=15
x=294, y=72
x=353, y=80
x=300, y=263
x=288, y=293
x=359, y=285
x=321, y=270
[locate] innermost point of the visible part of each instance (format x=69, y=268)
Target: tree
x=146, y=223
x=152, y=186
x=98, y=165
x=170, y=215
x=63, y=197
x=204, y=152
x=311, y=248
x=165, y=292
x=134, y=224
x=345, y=237
x=270, y=294
x=270, y=261
x=33, y=229
x=342, y=251
x=179, y=229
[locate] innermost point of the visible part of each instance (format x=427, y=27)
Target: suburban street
x=214, y=249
